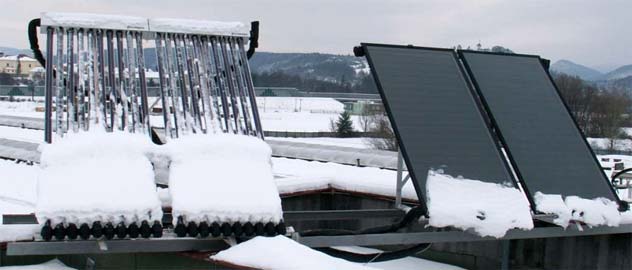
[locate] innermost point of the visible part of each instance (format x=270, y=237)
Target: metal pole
x=251, y=89
x=48, y=113
x=506, y=250
x=399, y=183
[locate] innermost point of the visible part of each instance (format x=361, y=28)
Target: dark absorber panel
x=544, y=143
x=434, y=114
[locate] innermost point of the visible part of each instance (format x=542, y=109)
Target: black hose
x=410, y=217
x=32, y=32
x=254, y=39
x=375, y=257
x=623, y=205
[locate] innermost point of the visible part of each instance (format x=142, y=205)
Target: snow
x=90, y=20
x=604, y=143
x=223, y=177
x=487, y=208
x=54, y=264
x=281, y=253
x=26, y=108
x=295, y=176
x=83, y=181
x=553, y=204
x=18, y=183
x=599, y=211
x=22, y=134
x=299, y=104
x=300, y=114
x=406, y=263
x=198, y=27
x=331, y=141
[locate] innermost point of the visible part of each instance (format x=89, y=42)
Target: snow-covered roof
x=15, y=58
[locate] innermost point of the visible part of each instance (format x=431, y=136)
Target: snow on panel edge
x=90, y=20
x=198, y=27
x=487, y=208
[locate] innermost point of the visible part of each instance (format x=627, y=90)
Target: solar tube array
x=95, y=78
x=96, y=75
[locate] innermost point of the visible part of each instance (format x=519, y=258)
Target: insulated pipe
x=94, y=86
x=163, y=84
x=81, y=83
x=229, y=72
x=48, y=113
x=213, y=85
x=71, y=120
x=251, y=89
x=59, y=82
x=111, y=91
x=132, y=82
x=172, y=91
x=144, y=118
x=122, y=93
x=197, y=83
x=102, y=97
x=185, y=80
x=241, y=86
x=219, y=75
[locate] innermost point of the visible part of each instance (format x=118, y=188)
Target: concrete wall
x=577, y=253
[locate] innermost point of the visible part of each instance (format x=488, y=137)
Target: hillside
x=325, y=67
x=571, y=68
x=619, y=73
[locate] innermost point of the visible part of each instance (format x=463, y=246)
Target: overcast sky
x=596, y=33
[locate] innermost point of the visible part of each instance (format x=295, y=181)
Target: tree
x=7, y=79
x=344, y=125
x=384, y=136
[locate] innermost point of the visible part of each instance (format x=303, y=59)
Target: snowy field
x=363, y=143
x=291, y=114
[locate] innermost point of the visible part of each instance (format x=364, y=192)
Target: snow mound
x=54, y=264
x=223, y=178
x=198, y=27
x=281, y=253
x=97, y=176
x=553, y=204
x=599, y=211
x=489, y=209
x=89, y=20
x=294, y=176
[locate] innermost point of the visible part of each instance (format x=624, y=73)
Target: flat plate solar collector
x=544, y=143
x=435, y=115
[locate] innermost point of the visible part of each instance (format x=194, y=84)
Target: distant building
x=18, y=64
